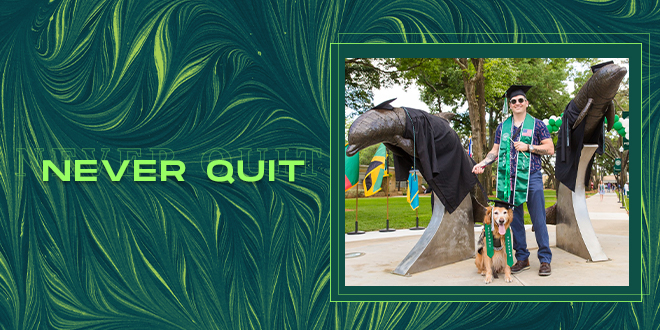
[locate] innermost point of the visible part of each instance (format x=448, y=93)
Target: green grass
x=372, y=212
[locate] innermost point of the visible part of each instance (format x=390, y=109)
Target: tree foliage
x=362, y=76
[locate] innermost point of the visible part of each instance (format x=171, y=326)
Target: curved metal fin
x=447, y=239
x=609, y=114
x=575, y=232
x=583, y=113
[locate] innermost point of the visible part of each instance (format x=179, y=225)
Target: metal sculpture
x=575, y=233
x=449, y=236
x=580, y=136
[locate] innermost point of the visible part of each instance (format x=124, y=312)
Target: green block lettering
x=178, y=174
x=246, y=178
x=80, y=170
x=64, y=176
x=138, y=171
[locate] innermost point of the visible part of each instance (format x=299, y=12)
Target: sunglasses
x=520, y=100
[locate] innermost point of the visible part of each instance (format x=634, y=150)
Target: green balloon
x=616, y=118
x=558, y=122
x=618, y=125
x=605, y=120
x=551, y=121
x=622, y=131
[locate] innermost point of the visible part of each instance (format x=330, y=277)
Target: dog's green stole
x=490, y=251
x=489, y=240
x=509, y=247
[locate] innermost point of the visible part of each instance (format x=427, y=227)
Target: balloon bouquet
x=621, y=125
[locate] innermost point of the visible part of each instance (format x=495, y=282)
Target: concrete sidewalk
x=382, y=252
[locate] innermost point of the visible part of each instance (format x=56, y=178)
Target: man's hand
x=490, y=158
x=521, y=146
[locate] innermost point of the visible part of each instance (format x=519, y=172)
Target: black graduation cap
x=499, y=203
x=385, y=105
x=516, y=90
x=600, y=65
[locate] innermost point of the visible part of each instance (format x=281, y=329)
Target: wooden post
x=357, y=195
x=387, y=221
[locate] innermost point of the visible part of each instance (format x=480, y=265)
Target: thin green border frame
x=341, y=293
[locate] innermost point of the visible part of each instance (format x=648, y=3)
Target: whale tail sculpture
x=427, y=142
x=580, y=137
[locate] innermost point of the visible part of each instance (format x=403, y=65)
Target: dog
x=502, y=217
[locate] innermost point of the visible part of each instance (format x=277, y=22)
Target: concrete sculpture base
x=447, y=239
x=575, y=234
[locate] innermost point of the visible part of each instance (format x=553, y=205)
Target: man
x=625, y=189
x=520, y=141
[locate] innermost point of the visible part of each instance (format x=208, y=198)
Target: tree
x=472, y=70
x=363, y=75
x=452, y=82
x=347, y=124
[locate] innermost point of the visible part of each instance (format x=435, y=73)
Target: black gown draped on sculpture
x=442, y=161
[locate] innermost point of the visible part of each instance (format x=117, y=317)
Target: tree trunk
x=549, y=170
x=624, y=163
x=475, y=95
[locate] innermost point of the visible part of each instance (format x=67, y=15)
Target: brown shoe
x=544, y=270
x=520, y=266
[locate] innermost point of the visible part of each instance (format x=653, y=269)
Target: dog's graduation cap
x=499, y=203
x=385, y=105
x=516, y=90
x=600, y=65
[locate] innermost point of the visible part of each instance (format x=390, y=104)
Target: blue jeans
x=536, y=208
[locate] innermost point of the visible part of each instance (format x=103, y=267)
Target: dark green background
x=198, y=76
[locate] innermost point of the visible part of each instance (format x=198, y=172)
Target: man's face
x=518, y=104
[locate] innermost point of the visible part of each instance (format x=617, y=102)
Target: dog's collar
x=497, y=243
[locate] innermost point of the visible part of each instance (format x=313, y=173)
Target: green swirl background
x=194, y=76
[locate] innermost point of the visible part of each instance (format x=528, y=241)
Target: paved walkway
x=382, y=252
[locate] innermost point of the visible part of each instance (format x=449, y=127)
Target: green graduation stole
x=509, y=247
x=522, y=168
x=507, y=241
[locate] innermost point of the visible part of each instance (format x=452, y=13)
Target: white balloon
x=546, y=122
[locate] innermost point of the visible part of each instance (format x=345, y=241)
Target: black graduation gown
x=442, y=161
x=568, y=157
